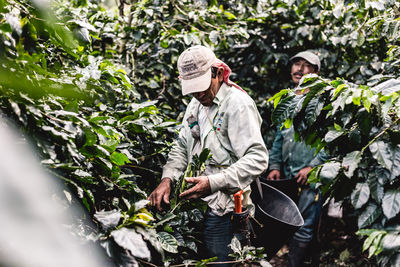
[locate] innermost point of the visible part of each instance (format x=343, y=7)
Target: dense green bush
x=95, y=87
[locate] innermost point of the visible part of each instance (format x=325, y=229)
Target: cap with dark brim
x=309, y=56
x=194, y=66
x=197, y=84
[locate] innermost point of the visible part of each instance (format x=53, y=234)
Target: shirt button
x=290, y=154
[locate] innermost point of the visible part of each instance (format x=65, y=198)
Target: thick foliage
x=80, y=110
x=358, y=126
x=96, y=89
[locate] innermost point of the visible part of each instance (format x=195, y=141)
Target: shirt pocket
x=220, y=156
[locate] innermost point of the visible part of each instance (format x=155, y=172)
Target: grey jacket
x=290, y=156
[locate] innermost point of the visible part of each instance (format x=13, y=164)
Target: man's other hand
x=274, y=175
x=200, y=189
x=302, y=175
x=161, y=193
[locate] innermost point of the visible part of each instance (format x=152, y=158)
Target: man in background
x=289, y=159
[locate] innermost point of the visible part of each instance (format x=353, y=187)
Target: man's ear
x=220, y=74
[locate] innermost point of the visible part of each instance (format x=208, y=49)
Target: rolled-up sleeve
x=178, y=156
x=177, y=159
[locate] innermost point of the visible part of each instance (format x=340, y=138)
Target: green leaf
x=168, y=217
x=214, y=36
x=376, y=246
x=128, y=118
x=366, y=99
x=129, y=239
x=167, y=228
x=56, y=132
x=369, y=215
x=288, y=123
x=187, y=38
x=373, y=241
x=110, y=145
x=364, y=232
x=364, y=122
x=205, y=261
x=339, y=86
x=142, y=218
x=108, y=219
x=357, y=96
x=287, y=108
x=391, y=242
x=97, y=119
x=391, y=203
x=236, y=246
x=90, y=137
x=138, y=205
x=344, y=255
x=213, y=3
x=119, y=158
x=168, y=242
x=387, y=156
x=337, y=127
x=195, y=216
x=331, y=135
x=360, y=38
x=313, y=110
x=191, y=245
x=375, y=183
x=205, y=155
x=104, y=163
x=229, y=15
x=277, y=97
x=350, y=163
x=360, y=195
x=151, y=236
x=329, y=171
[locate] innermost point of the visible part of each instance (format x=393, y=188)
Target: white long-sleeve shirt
x=238, y=151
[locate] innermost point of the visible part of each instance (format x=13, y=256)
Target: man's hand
x=274, y=175
x=161, y=193
x=302, y=175
x=200, y=189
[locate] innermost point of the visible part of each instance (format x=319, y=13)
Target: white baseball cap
x=194, y=66
x=309, y=56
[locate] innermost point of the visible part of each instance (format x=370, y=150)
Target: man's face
x=300, y=67
x=206, y=97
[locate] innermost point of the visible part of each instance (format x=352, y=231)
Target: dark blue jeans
x=217, y=236
x=310, y=209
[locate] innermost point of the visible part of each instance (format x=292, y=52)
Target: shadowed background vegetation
x=93, y=85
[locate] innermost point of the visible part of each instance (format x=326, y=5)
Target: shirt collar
x=222, y=92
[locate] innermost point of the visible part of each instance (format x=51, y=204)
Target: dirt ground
x=336, y=245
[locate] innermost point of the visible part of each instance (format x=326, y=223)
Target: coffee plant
x=93, y=85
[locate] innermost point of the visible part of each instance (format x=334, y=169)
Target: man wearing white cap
x=294, y=160
x=223, y=118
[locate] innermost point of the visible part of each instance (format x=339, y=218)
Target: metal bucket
x=277, y=216
x=287, y=186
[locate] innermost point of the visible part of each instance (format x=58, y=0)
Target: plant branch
x=195, y=263
x=378, y=135
x=177, y=205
